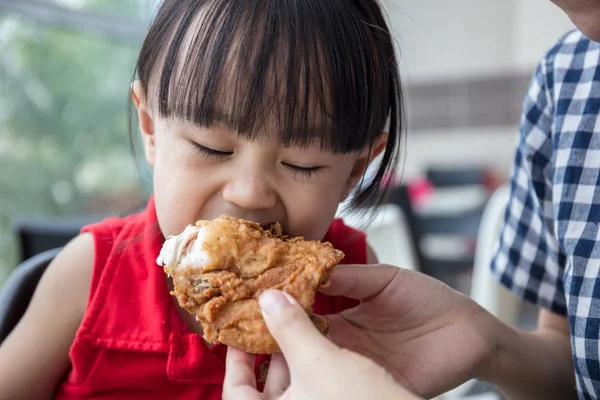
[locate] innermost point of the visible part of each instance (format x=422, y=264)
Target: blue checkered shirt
x=549, y=249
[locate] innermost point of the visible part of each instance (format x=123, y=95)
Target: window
x=64, y=87
x=133, y=10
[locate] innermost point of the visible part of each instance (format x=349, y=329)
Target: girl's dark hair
x=315, y=71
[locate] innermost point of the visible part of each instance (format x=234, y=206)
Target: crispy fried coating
x=220, y=278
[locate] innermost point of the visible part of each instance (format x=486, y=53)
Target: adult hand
x=428, y=336
x=318, y=369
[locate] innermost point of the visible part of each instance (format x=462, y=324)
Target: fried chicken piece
x=221, y=267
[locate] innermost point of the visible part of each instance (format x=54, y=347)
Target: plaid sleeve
x=528, y=260
x=549, y=250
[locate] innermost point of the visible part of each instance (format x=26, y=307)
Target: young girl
x=267, y=110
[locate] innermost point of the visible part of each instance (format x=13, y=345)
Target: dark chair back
x=452, y=177
x=18, y=290
x=37, y=235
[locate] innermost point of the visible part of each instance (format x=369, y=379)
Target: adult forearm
x=532, y=365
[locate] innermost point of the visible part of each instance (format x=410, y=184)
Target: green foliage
x=63, y=122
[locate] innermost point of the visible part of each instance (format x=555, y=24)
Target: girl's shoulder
x=75, y=263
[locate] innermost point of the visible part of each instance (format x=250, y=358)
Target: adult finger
x=300, y=342
x=278, y=379
x=240, y=382
x=361, y=282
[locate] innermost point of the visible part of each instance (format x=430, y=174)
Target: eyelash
x=299, y=172
x=208, y=152
x=302, y=172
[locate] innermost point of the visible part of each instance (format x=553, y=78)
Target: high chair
x=18, y=289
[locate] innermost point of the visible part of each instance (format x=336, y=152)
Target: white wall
x=492, y=147
x=538, y=25
x=443, y=40
x=453, y=39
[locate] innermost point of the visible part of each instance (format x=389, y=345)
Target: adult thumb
x=299, y=340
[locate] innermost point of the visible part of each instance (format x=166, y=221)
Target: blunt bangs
x=305, y=71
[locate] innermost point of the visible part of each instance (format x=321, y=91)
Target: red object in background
x=419, y=190
x=491, y=180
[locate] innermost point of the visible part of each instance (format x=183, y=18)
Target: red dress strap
x=354, y=245
x=104, y=234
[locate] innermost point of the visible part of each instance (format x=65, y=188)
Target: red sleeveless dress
x=133, y=344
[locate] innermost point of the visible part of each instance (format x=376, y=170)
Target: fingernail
x=272, y=300
x=291, y=298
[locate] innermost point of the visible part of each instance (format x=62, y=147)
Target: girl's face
x=203, y=173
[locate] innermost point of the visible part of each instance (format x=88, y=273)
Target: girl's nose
x=250, y=190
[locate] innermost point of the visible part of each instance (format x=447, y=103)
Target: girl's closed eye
x=210, y=152
x=303, y=172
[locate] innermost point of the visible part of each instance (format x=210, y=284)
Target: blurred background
x=65, y=68
x=65, y=157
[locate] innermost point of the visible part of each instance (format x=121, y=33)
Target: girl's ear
x=146, y=121
x=363, y=161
